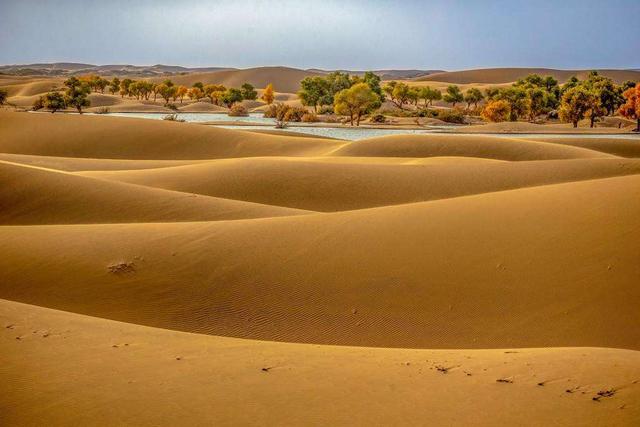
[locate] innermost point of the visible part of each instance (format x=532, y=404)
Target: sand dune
x=71, y=164
x=616, y=146
x=284, y=79
x=523, y=268
x=33, y=195
x=462, y=145
x=117, y=138
x=99, y=372
x=507, y=75
x=470, y=280
x=329, y=186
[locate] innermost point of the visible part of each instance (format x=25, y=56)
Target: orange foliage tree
x=497, y=111
x=631, y=108
x=268, y=95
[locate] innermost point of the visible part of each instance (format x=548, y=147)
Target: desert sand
x=162, y=273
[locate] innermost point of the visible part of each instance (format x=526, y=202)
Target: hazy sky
x=430, y=34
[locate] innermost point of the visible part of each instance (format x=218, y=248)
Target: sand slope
x=337, y=186
x=127, y=138
x=462, y=145
x=33, y=195
x=133, y=376
x=529, y=267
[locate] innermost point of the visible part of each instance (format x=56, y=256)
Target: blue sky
x=439, y=34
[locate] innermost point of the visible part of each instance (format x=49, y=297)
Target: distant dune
x=284, y=79
x=507, y=75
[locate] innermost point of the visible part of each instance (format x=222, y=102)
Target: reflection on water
x=343, y=132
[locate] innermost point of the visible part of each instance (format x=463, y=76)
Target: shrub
x=310, y=118
x=326, y=109
x=38, y=104
x=271, y=111
x=497, y=111
x=173, y=107
x=331, y=119
x=294, y=114
x=172, y=118
x=238, y=111
x=102, y=110
x=451, y=116
x=378, y=118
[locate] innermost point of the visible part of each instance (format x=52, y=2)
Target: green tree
x=429, y=95
x=373, y=80
x=124, y=87
x=518, y=100
x=54, y=101
x=537, y=102
x=114, y=86
x=355, y=101
x=248, y=92
x=453, y=95
x=576, y=101
x=76, y=94
x=473, y=96
x=314, y=92
x=231, y=96
x=399, y=93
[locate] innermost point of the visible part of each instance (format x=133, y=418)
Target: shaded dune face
x=414, y=271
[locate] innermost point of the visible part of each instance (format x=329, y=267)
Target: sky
x=327, y=34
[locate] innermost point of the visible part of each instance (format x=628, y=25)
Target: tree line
x=77, y=90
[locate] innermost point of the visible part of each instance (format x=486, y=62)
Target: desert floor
x=163, y=273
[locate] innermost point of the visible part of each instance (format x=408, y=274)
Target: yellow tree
x=268, y=95
x=195, y=93
x=631, y=108
x=497, y=111
x=181, y=91
x=355, y=101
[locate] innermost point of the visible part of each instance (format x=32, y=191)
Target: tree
x=114, y=86
x=168, y=83
x=199, y=85
x=537, y=102
x=214, y=93
x=453, y=95
x=429, y=95
x=575, y=103
x=473, y=96
x=496, y=111
x=248, y=92
x=314, y=91
x=124, y=87
x=399, y=93
x=181, y=91
x=76, y=94
x=231, y=96
x=195, y=93
x=373, y=80
x=491, y=93
x=355, y=101
x=610, y=95
x=166, y=92
x=414, y=96
x=518, y=100
x=268, y=95
x=100, y=84
x=631, y=108
x=54, y=101
x=3, y=96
